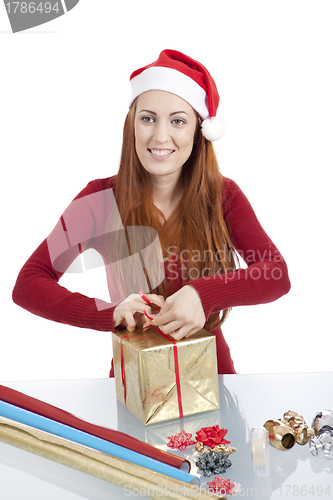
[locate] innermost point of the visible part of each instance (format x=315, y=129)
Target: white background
x=64, y=93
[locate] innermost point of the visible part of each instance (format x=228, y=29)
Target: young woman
x=168, y=184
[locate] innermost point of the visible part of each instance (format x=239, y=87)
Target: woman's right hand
x=130, y=312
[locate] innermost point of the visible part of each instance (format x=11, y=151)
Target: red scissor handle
x=142, y=295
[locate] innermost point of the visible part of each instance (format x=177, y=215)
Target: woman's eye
x=178, y=121
x=147, y=119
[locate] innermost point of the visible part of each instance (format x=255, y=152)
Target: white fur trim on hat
x=173, y=81
x=213, y=128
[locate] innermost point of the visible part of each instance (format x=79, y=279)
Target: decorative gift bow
x=212, y=436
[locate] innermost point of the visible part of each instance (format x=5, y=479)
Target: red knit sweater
x=265, y=278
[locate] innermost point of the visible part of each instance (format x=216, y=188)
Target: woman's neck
x=166, y=196
x=165, y=189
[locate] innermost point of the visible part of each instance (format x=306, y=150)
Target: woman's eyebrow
x=153, y=113
x=177, y=113
x=147, y=111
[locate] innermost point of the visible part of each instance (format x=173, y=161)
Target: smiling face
x=164, y=129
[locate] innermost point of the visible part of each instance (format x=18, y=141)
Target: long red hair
x=196, y=227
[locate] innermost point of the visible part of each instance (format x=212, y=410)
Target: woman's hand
x=130, y=312
x=182, y=314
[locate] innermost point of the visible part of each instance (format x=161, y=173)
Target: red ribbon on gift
x=175, y=354
x=123, y=379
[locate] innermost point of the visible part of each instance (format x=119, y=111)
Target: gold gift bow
x=95, y=463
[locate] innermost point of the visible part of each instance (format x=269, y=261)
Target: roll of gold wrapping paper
x=96, y=463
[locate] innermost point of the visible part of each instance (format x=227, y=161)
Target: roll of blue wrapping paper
x=45, y=424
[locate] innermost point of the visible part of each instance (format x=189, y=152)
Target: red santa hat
x=178, y=74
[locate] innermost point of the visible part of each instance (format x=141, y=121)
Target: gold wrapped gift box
x=144, y=366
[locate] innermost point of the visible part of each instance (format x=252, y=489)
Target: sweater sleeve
x=37, y=287
x=265, y=278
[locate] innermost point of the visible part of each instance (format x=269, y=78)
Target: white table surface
x=246, y=401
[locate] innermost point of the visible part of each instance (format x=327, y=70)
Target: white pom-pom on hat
x=213, y=128
x=178, y=74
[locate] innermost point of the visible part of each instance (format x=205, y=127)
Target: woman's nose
x=162, y=132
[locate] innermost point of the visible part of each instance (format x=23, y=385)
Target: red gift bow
x=222, y=486
x=212, y=436
x=180, y=440
x=175, y=354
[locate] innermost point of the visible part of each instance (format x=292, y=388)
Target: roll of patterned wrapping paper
x=46, y=410
x=98, y=464
x=45, y=424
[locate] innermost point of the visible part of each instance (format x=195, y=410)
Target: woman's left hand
x=182, y=314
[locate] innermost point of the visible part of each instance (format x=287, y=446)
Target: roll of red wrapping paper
x=34, y=405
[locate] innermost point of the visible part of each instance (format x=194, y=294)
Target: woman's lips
x=161, y=154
